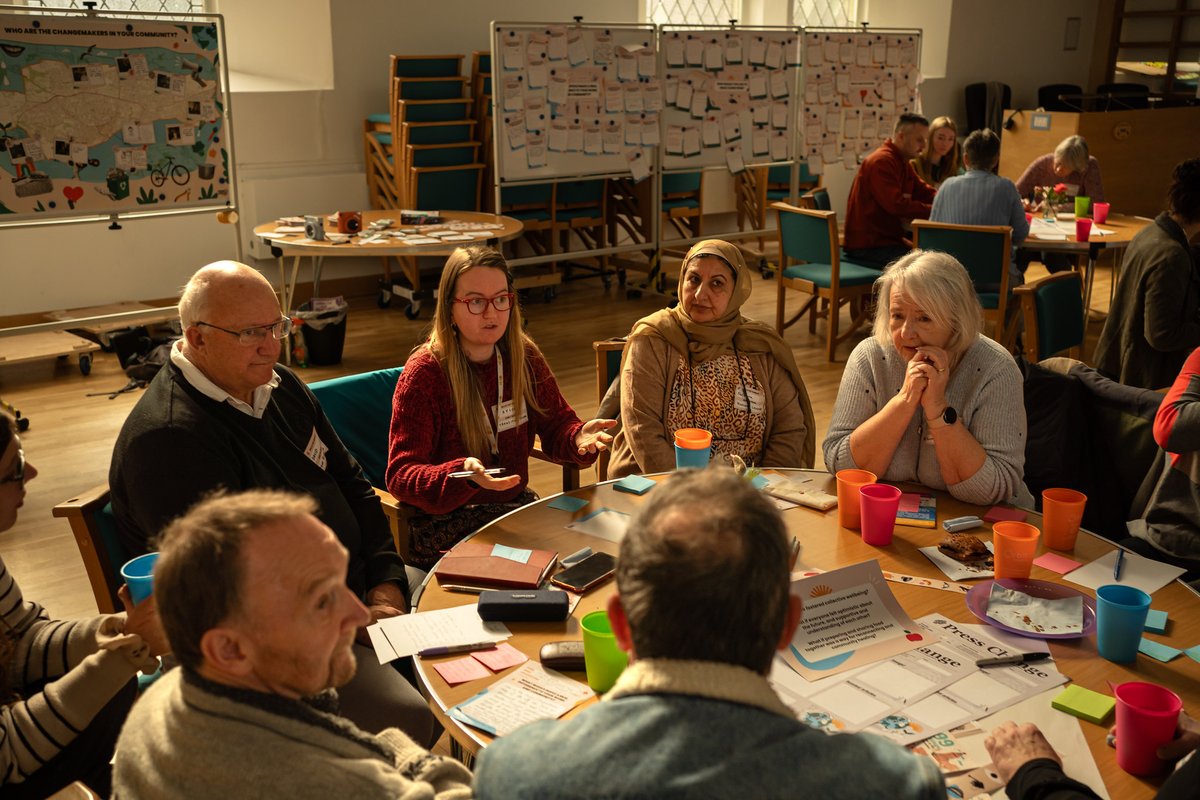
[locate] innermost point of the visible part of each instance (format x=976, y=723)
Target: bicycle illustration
x=178, y=173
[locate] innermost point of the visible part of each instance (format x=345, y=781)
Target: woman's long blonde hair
x=443, y=343
x=952, y=161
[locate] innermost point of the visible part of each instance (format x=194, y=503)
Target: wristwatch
x=948, y=417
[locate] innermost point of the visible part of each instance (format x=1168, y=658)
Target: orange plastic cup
x=693, y=448
x=1015, y=544
x=1062, y=511
x=693, y=438
x=849, y=481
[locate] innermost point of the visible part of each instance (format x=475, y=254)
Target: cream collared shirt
x=193, y=375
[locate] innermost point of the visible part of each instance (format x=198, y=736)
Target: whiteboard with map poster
x=111, y=115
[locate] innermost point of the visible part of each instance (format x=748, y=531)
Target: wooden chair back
x=1052, y=310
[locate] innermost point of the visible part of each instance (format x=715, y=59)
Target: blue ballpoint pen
x=1120, y=562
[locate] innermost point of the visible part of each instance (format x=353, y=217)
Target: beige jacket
x=643, y=444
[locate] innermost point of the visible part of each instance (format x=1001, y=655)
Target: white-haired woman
x=930, y=399
x=471, y=398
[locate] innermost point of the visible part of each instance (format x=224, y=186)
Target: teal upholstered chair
x=533, y=204
x=985, y=251
x=359, y=407
x=1052, y=309
x=683, y=202
x=453, y=188
x=608, y=391
x=810, y=237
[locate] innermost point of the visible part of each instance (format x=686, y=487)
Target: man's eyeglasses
x=477, y=305
x=257, y=334
x=18, y=475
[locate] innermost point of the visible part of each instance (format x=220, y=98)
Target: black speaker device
x=524, y=605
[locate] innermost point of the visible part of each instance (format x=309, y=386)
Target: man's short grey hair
x=703, y=571
x=982, y=149
x=199, y=573
x=941, y=287
x=1072, y=152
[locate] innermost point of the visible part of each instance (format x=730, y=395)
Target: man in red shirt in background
x=885, y=194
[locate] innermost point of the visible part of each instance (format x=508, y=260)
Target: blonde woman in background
x=472, y=398
x=942, y=157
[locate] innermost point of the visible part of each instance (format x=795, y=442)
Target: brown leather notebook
x=472, y=563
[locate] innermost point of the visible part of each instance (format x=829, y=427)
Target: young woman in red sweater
x=472, y=398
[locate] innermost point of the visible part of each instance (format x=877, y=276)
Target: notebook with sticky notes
x=481, y=564
x=917, y=510
x=1084, y=703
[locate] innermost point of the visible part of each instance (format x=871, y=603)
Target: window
x=692, y=12
x=824, y=13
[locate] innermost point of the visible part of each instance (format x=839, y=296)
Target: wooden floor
x=71, y=437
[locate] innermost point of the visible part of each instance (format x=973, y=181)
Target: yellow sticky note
x=1084, y=703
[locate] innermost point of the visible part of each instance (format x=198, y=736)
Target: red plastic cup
x=1083, y=229
x=1014, y=544
x=1028, y=217
x=849, y=481
x=1147, y=715
x=878, y=504
x=1100, y=212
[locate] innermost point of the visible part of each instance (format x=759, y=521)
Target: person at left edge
x=223, y=414
x=472, y=397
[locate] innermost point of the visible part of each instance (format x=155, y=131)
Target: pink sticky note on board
x=999, y=513
x=503, y=657
x=910, y=502
x=461, y=670
x=1056, y=563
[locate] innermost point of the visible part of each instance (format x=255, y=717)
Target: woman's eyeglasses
x=477, y=305
x=257, y=334
x=18, y=474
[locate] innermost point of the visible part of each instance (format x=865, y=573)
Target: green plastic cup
x=1082, y=202
x=602, y=658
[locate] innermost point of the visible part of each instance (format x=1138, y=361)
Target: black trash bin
x=324, y=334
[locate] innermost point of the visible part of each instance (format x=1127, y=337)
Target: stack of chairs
x=427, y=138
x=481, y=91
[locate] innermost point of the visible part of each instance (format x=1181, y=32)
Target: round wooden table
x=826, y=545
x=1124, y=227
x=299, y=246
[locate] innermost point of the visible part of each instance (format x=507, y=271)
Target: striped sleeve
x=1177, y=425
x=35, y=726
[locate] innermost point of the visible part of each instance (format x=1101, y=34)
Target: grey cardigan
x=985, y=388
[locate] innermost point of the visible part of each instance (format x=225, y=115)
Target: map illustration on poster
x=103, y=116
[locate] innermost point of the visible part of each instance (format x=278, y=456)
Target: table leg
x=317, y=263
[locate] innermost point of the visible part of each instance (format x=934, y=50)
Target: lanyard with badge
x=751, y=399
x=504, y=413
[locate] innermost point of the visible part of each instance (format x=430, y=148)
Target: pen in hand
x=1118, y=564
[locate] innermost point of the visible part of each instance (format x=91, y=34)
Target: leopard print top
x=720, y=406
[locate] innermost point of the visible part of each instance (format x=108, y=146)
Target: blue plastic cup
x=693, y=448
x=139, y=576
x=1120, y=619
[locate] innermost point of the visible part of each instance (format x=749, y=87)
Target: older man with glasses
x=224, y=415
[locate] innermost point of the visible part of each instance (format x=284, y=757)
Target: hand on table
x=592, y=437
x=493, y=483
x=1012, y=745
x=384, y=601
x=143, y=620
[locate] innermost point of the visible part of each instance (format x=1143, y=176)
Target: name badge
x=757, y=401
x=506, y=416
x=316, y=450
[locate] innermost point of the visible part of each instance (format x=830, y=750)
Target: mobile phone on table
x=587, y=573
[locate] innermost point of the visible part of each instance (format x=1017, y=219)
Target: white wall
x=300, y=152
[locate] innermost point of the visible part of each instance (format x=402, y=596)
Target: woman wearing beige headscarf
x=704, y=365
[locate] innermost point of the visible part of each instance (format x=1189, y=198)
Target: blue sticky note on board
x=634, y=484
x=565, y=502
x=1161, y=652
x=1156, y=621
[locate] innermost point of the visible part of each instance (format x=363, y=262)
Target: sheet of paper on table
x=1141, y=573
x=396, y=637
x=1019, y=610
x=603, y=523
x=981, y=692
x=1062, y=731
x=851, y=618
x=528, y=694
